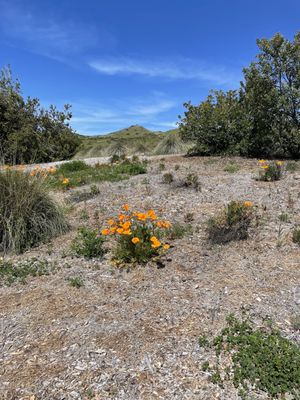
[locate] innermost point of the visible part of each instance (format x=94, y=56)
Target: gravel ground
x=133, y=335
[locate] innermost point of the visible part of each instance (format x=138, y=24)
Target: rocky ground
x=133, y=334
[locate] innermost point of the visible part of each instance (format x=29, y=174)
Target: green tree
x=28, y=132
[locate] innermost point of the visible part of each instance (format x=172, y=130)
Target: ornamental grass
x=138, y=236
x=28, y=214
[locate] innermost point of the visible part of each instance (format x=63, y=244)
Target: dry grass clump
x=28, y=215
x=232, y=223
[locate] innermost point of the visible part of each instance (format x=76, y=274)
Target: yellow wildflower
x=265, y=166
x=166, y=246
x=135, y=240
x=280, y=163
x=262, y=161
x=66, y=181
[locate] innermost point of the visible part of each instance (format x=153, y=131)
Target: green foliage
x=231, y=167
x=273, y=171
x=18, y=271
x=28, y=215
x=168, y=178
x=232, y=223
x=191, y=181
x=72, y=166
x=296, y=235
x=76, y=282
x=30, y=133
x=99, y=173
x=284, y=217
x=262, y=118
x=261, y=359
x=178, y=231
x=88, y=243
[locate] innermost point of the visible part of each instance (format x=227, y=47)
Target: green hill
x=133, y=140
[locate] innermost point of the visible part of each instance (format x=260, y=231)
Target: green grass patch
x=260, y=359
x=88, y=243
x=93, y=174
x=232, y=167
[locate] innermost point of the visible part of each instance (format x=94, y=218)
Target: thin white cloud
x=48, y=36
x=179, y=68
x=98, y=119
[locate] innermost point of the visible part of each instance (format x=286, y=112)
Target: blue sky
x=125, y=62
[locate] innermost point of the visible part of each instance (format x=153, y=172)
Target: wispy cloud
x=178, y=68
x=55, y=38
x=98, y=118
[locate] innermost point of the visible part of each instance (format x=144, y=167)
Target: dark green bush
x=28, y=214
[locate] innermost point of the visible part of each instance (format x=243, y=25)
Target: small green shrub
x=191, y=181
x=168, y=178
x=284, y=217
x=271, y=171
x=178, y=231
x=76, y=282
x=72, y=166
x=177, y=167
x=11, y=272
x=232, y=223
x=88, y=243
x=28, y=214
x=296, y=235
x=162, y=167
x=232, y=167
x=259, y=359
x=94, y=190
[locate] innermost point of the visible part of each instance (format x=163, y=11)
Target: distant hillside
x=133, y=140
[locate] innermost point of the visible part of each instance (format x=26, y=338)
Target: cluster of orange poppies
x=130, y=224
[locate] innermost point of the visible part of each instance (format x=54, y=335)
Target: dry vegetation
x=90, y=329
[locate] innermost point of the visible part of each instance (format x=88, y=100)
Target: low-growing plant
x=190, y=181
x=259, y=359
x=284, y=217
x=177, y=167
x=18, y=271
x=88, y=243
x=232, y=167
x=161, y=167
x=72, y=166
x=167, y=178
x=28, y=214
x=296, y=235
x=138, y=235
x=271, y=171
x=76, y=282
x=292, y=166
x=94, y=190
x=189, y=217
x=232, y=223
x=178, y=231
